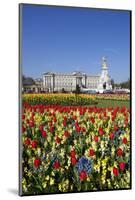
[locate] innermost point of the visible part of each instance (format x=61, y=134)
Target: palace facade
x=67, y=81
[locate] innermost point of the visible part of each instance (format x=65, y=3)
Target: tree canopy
x=27, y=81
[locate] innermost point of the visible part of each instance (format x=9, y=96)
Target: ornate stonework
x=104, y=80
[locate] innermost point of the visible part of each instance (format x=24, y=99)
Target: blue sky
x=63, y=39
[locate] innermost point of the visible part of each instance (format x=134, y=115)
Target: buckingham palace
x=67, y=81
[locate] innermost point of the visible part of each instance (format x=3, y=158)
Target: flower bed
x=59, y=99
x=70, y=149
x=118, y=97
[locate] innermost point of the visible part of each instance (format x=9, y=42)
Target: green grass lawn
x=112, y=103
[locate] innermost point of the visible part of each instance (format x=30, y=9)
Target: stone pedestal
x=104, y=80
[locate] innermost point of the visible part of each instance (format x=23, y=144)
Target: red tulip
x=105, y=114
x=41, y=128
x=111, y=136
x=34, y=144
x=52, y=129
x=124, y=140
x=66, y=134
x=23, y=129
x=122, y=165
x=75, y=117
x=64, y=123
x=27, y=141
x=96, y=138
x=100, y=117
x=57, y=140
x=119, y=152
x=73, y=160
x=126, y=122
x=65, y=118
x=23, y=117
x=37, y=162
x=115, y=128
x=101, y=132
x=113, y=118
x=83, y=175
x=115, y=171
x=92, y=120
x=31, y=123
x=56, y=164
x=91, y=152
x=50, y=124
x=78, y=129
x=55, y=120
x=43, y=134
x=83, y=129
x=72, y=153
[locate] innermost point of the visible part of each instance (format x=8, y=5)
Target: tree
x=104, y=85
x=78, y=89
x=77, y=92
x=125, y=84
x=112, y=83
x=63, y=90
x=27, y=81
